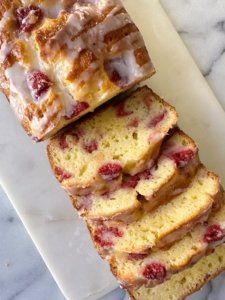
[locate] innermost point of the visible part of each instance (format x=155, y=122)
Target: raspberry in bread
x=134, y=270
x=171, y=173
x=62, y=59
x=163, y=226
x=91, y=156
x=186, y=282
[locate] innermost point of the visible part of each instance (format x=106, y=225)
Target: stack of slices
x=154, y=211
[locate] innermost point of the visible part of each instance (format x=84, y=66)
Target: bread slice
x=186, y=282
x=61, y=59
x=171, y=173
x=90, y=157
x=134, y=270
x=163, y=226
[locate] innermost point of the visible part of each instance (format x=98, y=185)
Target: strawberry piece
x=121, y=110
x=181, y=158
x=62, y=174
x=113, y=69
x=155, y=271
x=133, y=123
x=62, y=142
x=91, y=146
x=214, y=233
x=77, y=109
x=28, y=17
x=38, y=83
x=131, y=182
x=110, y=171
x=104, y=236
x=136, y=256
x=145, y=175
x=156, y=120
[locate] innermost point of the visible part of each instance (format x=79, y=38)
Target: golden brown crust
x=86, y=57
x=114, y=36
x=130, y=282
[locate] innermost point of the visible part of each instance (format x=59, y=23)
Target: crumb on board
x=7, y=264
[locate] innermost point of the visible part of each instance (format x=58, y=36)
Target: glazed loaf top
x=60, y=59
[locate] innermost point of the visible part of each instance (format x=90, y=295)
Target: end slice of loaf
x=61, y=59
x=92, y=155
x=134, y=270
x=172, y=172
x=163, y=226
x=186, y=282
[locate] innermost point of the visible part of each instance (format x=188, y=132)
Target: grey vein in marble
x=201, y=24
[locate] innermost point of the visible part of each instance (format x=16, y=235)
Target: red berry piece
x=91, y=146
x=214, y=233
x=113, y=68
x=131, y=181
x=85, y=203
x=38, y=83
x=76, y=133
x=104, y=236
x=77, y=109
x=133, y=123
x=148, y=102
x=28, y=17
x=157, y=119
x=62, y=174
x=145, y=175
x=62, y=142
x=181, y=158
x=155, y=271
x=136, y=256
x=110, y=171
x=121, y=110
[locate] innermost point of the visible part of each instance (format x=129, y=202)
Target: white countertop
x=23, y=275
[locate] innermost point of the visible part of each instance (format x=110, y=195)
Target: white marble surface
x=23, y=274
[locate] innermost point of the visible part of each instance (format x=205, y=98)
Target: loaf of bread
x=171, y=173
x=124, y=138
x=62, y=59
x=163, y=226
x=134, y=270
x=186, y=282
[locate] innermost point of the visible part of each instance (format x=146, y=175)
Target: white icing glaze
x=5, y=50
x=39, y=125
x=95, y=36
x=6, y=17
x=17, y=105
x=51, y=8
x=67, y=101
x=127, y=67
x=54, y=10
x=131, y=41
x=92, y=39
x=18, y=83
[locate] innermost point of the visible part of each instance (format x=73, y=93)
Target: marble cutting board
x=25, y=175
